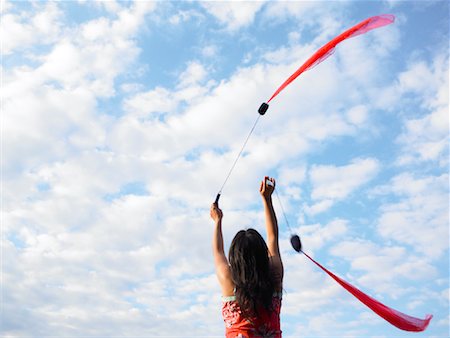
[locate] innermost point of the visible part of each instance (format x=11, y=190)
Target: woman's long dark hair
x=249, y=260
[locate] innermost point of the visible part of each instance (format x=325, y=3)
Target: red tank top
x=267, y=325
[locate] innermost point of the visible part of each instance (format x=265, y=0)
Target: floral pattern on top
x=265, y=326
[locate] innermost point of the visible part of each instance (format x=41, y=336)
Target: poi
x=319, y=56
x=396, y=318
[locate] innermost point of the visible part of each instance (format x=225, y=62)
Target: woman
x=251, y=278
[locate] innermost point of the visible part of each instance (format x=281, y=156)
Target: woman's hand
x=216, y=213
x=267, y=187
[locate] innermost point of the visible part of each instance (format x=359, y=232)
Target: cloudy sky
x=120, y=121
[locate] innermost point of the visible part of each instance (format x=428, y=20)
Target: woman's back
x=251, y=277
x=267, y=324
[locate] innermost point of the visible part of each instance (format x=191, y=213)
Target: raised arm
x=266, y=189
x=220, y=260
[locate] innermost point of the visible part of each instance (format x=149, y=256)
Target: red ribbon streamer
x=328, y=49
x=396, y=318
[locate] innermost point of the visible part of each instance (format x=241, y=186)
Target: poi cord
x=396, y=318
x=237, y=158
x=282, y=211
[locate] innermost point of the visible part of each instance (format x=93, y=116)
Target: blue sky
x=120, y=121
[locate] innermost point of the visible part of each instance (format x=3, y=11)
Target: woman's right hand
x=216, y=213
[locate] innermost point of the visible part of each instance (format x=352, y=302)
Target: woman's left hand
x=267, y=187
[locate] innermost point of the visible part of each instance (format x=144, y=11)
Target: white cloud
x=120, y=259
x=426, y=138
x=154, y=102
x=317, y=236
x=233, y=14
x=52, y=107
x=334, y=183
x=425, y=128
x=132, y=19
x=50, y=119
x=293, y=175
x=319, y=207
x=24, y=30
x=195, y=73
x=357, y=115
x=383, y=268
x=185, y=15
x=111, y=6
x=182, y=132
x=307, y=11
x=210, y=51
x=420, y=216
